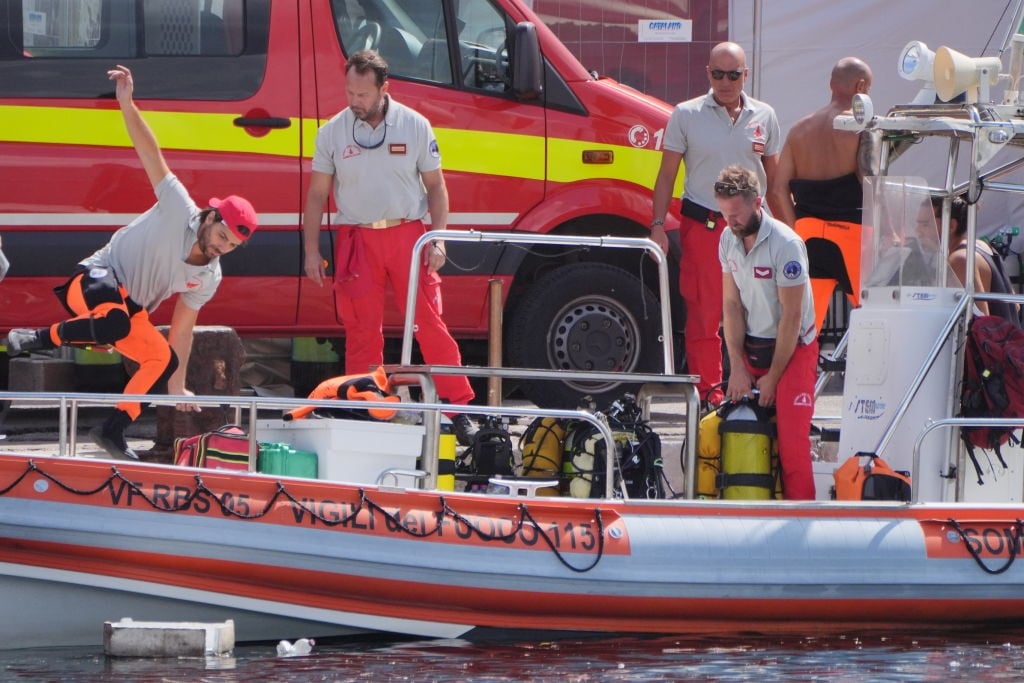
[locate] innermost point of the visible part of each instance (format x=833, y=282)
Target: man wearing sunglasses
x=383, y=164
x=768, y=319
x=173, y=248
x=817, y=189
x=708, y=133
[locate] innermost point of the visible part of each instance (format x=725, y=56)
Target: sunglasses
x=730, y=190
x=719, y=74
x=368, y=145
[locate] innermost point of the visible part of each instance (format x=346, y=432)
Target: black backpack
x=993, y=383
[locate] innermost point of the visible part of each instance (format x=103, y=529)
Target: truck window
x=187, y=49
x=483, y=46
x=413, y=36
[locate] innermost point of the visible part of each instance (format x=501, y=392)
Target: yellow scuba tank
x=709, y=455
x=747, y=434
x=583, y=466
x=541, y=446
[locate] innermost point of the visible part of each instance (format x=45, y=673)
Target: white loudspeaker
x=917, y=63
x=957, y=73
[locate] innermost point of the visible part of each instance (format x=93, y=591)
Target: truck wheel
x=585, y=316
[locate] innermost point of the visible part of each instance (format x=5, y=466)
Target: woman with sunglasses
x=173, y=248
x=708, y=133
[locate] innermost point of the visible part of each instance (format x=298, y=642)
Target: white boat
x=86, y=540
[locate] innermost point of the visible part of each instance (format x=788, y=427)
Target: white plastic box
x=354, y=451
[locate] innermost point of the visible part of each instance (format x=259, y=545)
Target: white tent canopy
x=792, y=44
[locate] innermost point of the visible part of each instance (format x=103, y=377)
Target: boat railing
x=576, y=241
x=69, y=403
x=666, y=382
x=247, y=412
x=655, y=384
x=959, y=422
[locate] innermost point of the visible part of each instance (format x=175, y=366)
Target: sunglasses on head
x=719, y=74
x=730, y=190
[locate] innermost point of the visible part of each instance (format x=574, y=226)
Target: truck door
x=449, y=61
x=216, y=81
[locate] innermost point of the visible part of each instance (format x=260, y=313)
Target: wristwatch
x=658, y=221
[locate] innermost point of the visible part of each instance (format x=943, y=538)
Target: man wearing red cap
x=173, y=248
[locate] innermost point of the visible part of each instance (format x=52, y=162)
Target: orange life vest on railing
x=374, y=386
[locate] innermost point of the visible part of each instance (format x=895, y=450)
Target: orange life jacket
x=375, y=386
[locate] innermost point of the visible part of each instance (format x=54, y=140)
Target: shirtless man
x=817, y=187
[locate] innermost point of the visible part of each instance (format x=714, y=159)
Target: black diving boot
x=110, y=436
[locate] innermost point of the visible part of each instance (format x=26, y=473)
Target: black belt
x=701, y=214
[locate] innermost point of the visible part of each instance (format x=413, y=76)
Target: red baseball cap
x=238, y=215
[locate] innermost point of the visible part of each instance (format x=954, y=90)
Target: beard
x=371, y=111
x=203, y=238
x=750, y=228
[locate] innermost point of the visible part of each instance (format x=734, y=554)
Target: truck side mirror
x=527, y=66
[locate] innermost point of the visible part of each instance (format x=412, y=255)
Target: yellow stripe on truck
x=469, y=151
x=175, y=130
x=487, y=153
x=631, y=164
x=523, y=156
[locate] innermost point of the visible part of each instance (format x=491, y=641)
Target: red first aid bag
x=226, y=448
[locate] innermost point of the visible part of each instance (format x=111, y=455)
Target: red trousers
x=700, y=284
x=387, y=253
x=794, y=408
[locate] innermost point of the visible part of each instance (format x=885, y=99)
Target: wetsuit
x=828, y=218
x=113, y=291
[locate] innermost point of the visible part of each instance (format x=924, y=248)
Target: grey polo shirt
x=148, y=255
x=379, y=183
x=703, y=132
x=778, y=259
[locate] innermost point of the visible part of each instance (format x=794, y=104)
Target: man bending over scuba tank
x=768, y=318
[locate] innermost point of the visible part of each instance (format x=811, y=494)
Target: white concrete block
x=129, y=638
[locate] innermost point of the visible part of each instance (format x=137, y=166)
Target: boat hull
x=97, y=541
